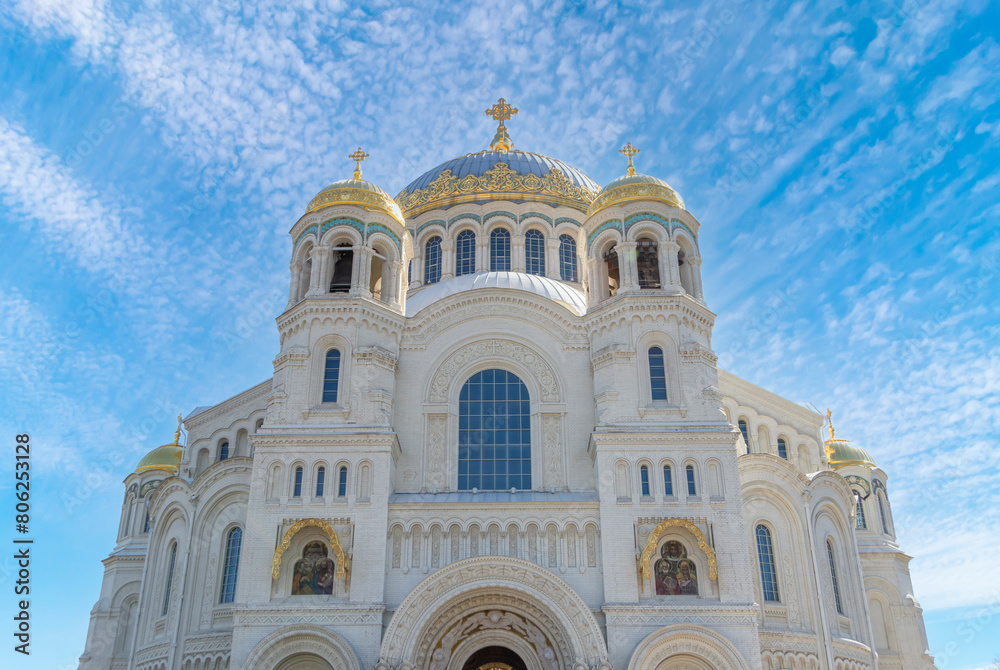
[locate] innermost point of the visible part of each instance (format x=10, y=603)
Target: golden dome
x=841, y=453
x=166, y=457
x=357, y=191
x=634, y=187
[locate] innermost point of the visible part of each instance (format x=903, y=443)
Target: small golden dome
x=166, y=457
x=841, y=453
x=634, y=186
x=357, y=191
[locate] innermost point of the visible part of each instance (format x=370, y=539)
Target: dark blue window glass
x=331, y=375
x=342, y=483
x=231, y=565
x=534, y=253
x=644, y=479
x=657, y=374
x=320, y=482
x=170, y=578
x=223, y=451
x=432, y=261
x=494, y=433
x=567, y=258
x=297, y=490
x=881, y=512
x=743, y=431
x=668, y=481
x=692, y=491
x=465, y=253
x=833, y=578
x=782, y=448
x=859, y=513
x=765, y=556
x=500, y=250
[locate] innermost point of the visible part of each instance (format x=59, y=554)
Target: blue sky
x=843, y=162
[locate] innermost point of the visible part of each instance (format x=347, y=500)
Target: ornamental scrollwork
x=654, y=537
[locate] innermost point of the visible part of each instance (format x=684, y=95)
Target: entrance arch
x=304, y=662
x=686, y=647
x=302, y=647
x=492, y=601
x=494, y=658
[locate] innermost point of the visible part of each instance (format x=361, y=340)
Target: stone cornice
x=339, y=306
x=237, y=467
x=201, y=418
x=628, y=306
x=733, y=387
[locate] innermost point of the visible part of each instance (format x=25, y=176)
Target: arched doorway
x=304, y=662
x=494, y=658
x=684, y=662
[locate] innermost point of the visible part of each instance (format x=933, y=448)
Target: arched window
x=567, y=259
x=231, y=565
x=331, y=375
x=859, y=512
x=320, y=481
x=883, y=517
x=611, y=267
x=783, y=448
x=494, y=433
x=500, y=250
x=765, y=556
x=342, y=482
x=668, y=481
x=171, y=563
x=297, y=487
x=833, y=578
x=343, y=268
x=647, y=263
x=687, y=281
x=692, y=490
x=223, y=450
x=145, y=524
x=644, y=479
x=534, y=253
x=657, y=374
x=743, y=431
x=432, y=260
x=465, y=253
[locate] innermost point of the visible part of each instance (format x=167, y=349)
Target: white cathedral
x=496, y=439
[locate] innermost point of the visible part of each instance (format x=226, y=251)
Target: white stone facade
x=433, y=575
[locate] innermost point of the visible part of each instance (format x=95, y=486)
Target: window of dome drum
x=343, y=269
x=494, y=443
x=567, y=258
x=465, y=253
x=782, y=448
x=500, y=250
x=534, y=253
x=859, y=512
x=223, y=451
x=648, y=264
x=432, y=260
x=743, y=431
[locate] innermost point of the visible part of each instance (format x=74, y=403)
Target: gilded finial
x=829, y=418
x=630, y=151
x=177, y=433
x=357, y=157
x=501, y=112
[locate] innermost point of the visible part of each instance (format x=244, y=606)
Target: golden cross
x=501, y=111
x=357, y=157
x=630, y=151
x=177, y=434
x=829, y=418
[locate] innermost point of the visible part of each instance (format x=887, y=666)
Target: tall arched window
x=692, y=490
x=765, y=556
x=883, y=517
x=783, y=448
x=331, y=375
x=567, y=258
x=171, y=564
x=465, y=253
x=644, y=479
x=297, y=486
x=432, y=260
x=494, y=432
x=223, y=450
x=647, y=263
x=320, y=481
x=668, y=481
x=743, y=431
x=231, y=565
x=859, y=512
x=342, y=482
x=500, y=250
x=657, y=374
x=534, y=253
x=833, y=578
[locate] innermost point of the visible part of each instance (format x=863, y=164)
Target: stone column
x=361, y=272
x=417, y=272
x=392, y=299
x=627, y=272
x=447, y=258
x=295, y=269
x=670, y=273
x=518, y=259
x=482, y=253
x=696, y=277
x=552, y=264
x=320, y=257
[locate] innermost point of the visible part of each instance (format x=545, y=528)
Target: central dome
x=518, y=176
x=567, y=296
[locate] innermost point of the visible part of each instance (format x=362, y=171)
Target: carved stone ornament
x=286, y=541
x=514, y=351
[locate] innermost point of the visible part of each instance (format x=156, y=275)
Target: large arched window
x=744, y=432
x=331, y=375
x=783, y=448
x=231, y=565
x=657, y=374
x=534, y=253
x=833, y=578
x=765, y=556
x=465, y=253
x=494, y=433
x=859, y=512
x=171, y=564
x=567, y=258
x=500, y=250
x=432, y=260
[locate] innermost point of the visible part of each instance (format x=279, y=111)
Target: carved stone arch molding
x=486, y=594
x=689, y=640
x=444, y=376
x=301, y=639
